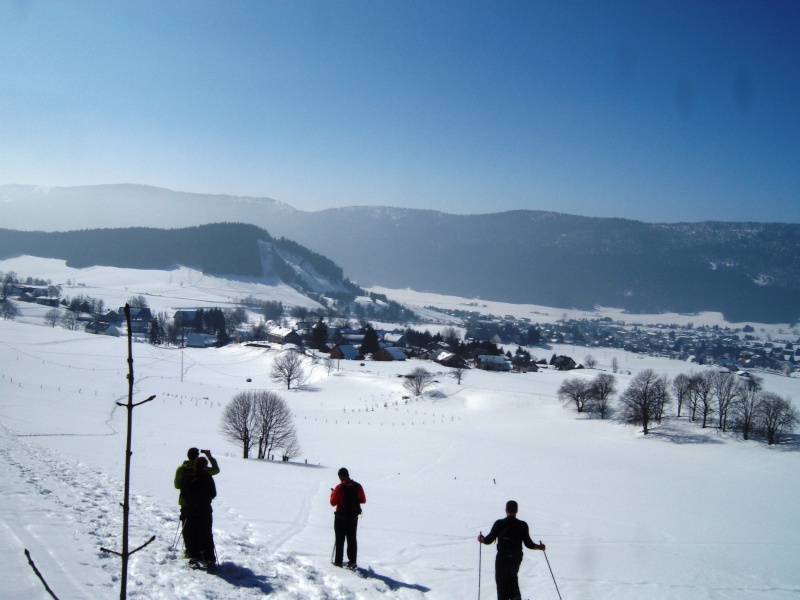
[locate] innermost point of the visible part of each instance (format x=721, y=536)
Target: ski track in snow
x=90, y=500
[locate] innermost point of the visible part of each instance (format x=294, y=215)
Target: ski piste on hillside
x=79, y=505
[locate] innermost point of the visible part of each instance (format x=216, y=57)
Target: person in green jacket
x=187, y=466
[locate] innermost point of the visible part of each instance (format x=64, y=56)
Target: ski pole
x=551, y=571
x=177, y=533
x=480, y=555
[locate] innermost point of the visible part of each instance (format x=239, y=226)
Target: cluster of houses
x=725, y=346
x=734, y=348
x=345, y=344
x=109, y=323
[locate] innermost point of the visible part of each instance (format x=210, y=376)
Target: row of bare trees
x=711, y=396
x=739, y=404
x=260, y=418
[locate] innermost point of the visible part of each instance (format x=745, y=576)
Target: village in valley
x=460, y=338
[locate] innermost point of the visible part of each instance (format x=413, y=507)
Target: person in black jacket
x=510, y=534
x=198, y=490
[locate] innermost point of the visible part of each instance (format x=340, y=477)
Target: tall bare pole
x=125, y=554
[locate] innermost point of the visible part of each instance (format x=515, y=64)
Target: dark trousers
x=198, y=535
x=506, y=570
x=345, y=529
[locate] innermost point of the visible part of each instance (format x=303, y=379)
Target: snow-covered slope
x=683, y=513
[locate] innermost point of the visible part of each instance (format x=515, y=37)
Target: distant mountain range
x=748, y=271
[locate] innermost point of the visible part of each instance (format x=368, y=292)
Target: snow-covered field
x=683, y=513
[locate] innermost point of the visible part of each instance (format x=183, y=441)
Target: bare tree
x=600, y=391
x=238, y=423
x=702, y=392
x=138, y=302
x=328, y=365
x=662, y=397
x=98, y=308
x=274, y=427
x=746, y=407
x=181, y=330
x=52, y=317
x=234, y=319
x=259, y=331
x=69, y=320
x=272, y=310
x=641, y=399
x=777, y=415
x=725, y=387
x=299, y=312
x=418, y=381
x=451, y=336
x=341, y=323
x=6, y=285
x=163, y=323
x=589, y=361
x=681, y=388
x=288, y=368
x=575, y=391
x=292, y=449
x=458, y=373
x=8, y=310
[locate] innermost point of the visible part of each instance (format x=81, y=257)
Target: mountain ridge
x=748, y=271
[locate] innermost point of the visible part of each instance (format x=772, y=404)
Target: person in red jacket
x=347, y=497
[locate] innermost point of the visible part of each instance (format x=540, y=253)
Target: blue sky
x=655, y=111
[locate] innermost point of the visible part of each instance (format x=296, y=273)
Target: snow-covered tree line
x=708, y=398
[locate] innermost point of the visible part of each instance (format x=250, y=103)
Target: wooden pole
x=125, y=554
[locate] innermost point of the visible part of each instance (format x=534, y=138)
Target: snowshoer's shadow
x=392, y=584
x=243, y=577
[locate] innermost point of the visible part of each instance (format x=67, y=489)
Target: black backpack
x=350, y=506
x=198, y=489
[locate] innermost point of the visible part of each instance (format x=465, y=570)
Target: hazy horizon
x=722, y=218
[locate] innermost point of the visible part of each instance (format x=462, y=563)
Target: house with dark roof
x=394, y=338
x=563, y=363
x=523, y=363
x=284, y=335
x=389, y=353
x=490, y=362
x=449, y=359
x=346, y=352
x=200, y=340
x=99, y=328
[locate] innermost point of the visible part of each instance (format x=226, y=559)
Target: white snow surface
x=684, y=513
